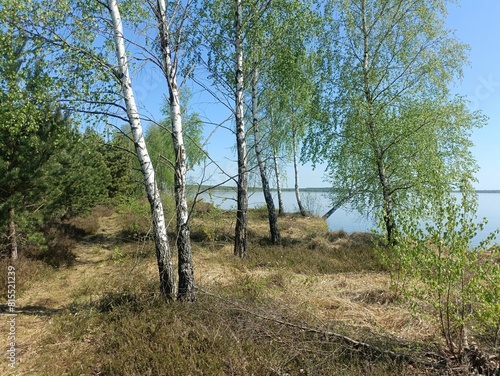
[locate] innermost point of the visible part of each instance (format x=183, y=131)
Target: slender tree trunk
x=163, y=252
x=332, y=210
x=273, y=220
x=302, y=210
x=387, y=213
x=185, y=264
x=338, y=204
x=281, y=208
x=12, y=234
x=240, y=233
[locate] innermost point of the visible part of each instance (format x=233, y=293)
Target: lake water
x=318, y=203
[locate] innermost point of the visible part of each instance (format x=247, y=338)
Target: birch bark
x=240, y=233
x=302, y=210
x=281, y=208
x=186, y=289
x=163, y=252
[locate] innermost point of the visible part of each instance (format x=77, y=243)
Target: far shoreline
x=306, y=189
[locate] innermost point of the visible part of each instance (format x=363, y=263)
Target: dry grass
x=103, y=315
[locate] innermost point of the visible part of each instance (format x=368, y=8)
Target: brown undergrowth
x=285, y=310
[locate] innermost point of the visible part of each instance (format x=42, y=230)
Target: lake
x=343, y=219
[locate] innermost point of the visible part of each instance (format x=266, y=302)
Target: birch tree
x=169, y=47
x=85, y=50
x=289, y=69
x=261, y=32
x=275, y=144
x=221, y=31
x=163, y=252
x=273, y=221
x=293, y=85
x=241, y=229
x=275, y=29
x=74, y=38
x=395, y=134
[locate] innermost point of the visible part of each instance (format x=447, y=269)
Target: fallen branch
x=363, y=347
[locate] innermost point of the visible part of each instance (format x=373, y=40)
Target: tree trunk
x=240, y=233
x=339, y=203
x=387, y=214
x=13, y=235
x=331, y=211
x=185, y=264
x=163, y=252
x=302, y=210
x=273, y=220
x=281, y=208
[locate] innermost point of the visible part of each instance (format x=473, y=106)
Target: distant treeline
x=228, y=188
x=194, y=188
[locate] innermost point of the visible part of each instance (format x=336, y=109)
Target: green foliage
x=55, y=249
x=64, y=36
x=84, y=174
x=161, y=152
x=192, y=127
x=121, y=160
x=395, y=139
x=487, y=314
x=47, y=168
x=126, y=177
x=437, y=262
x=55, y=172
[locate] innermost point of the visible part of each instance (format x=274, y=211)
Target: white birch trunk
x=186, y=290
x=302, y=210
x=281, y=208
x=163, y=252
x=240, y=238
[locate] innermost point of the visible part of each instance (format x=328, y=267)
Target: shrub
x=487, y=315
x=212, y=226
x=134, y=218
x=201, y=208
x=82, y=226
x=437, y=263
x=54, y=246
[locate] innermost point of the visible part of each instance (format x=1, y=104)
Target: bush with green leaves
x=487, y=315
x=438, y=263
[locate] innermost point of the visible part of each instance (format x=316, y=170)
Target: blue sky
x=475, y=22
